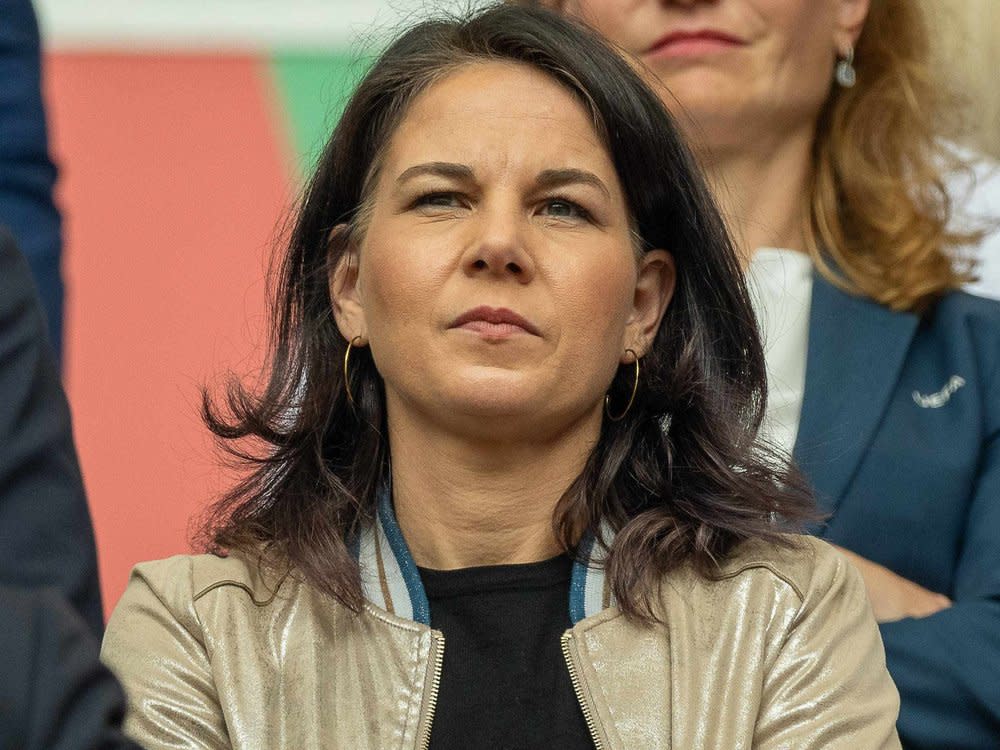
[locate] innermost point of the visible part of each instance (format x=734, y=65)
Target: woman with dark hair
x=512, y=404
x=819, y=126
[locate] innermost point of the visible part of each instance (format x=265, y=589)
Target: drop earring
x=844, y=73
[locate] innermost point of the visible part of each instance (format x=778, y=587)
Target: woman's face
x=741, y=69
x=496, y=276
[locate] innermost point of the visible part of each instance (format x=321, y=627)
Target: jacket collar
x=391, y=581
x=855, y=355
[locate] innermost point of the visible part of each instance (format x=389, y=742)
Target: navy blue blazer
x=45, y=534
x=55, y=693
x=900, y=437
x=27, y=174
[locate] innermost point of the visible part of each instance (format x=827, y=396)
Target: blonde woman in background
x=817, y=123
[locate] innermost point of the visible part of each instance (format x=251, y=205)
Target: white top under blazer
x=780, y=283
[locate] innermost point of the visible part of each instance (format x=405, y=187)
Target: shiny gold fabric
x=781, y=651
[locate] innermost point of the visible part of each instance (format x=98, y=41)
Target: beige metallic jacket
x=781, y=651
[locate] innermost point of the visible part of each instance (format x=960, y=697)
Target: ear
x=345, y=287
x=849, y=20
x=654, y=288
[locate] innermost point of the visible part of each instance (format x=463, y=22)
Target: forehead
x=499, y=115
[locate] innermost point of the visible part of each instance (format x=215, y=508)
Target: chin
x=494, y=409
x=512, y=415
x=492, y=403
x=702, y=91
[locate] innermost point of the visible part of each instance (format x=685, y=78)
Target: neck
x=464, y=503
x=761, y=190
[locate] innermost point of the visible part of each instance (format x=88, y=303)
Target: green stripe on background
x=314, y=88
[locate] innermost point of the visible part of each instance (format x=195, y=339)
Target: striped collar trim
x=391, y=581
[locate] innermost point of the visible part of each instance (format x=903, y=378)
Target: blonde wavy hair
x=878, y=205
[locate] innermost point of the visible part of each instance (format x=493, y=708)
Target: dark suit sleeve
x=45, y=534
x=27, y=174
x=947, y=666
x=55, y=694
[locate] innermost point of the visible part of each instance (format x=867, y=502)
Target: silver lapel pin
x=939, y=399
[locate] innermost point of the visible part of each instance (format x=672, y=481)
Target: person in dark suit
x=900, y=436
x=55, y=694
x=27, y=174
x=818, y=125
x=45, y=534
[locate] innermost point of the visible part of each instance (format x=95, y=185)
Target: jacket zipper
x=437, y=659
x=588, y=715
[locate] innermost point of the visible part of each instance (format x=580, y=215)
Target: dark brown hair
x=681, y=477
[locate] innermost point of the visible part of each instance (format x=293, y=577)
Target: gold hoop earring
x=631, y=400
x=347, y=376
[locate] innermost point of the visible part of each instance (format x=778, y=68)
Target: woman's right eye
x=438, y=200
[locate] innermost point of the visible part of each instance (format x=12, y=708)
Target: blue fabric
x=45, y=535
x=578, y=583
x=55, y=693
x=913, y=483
x=411, y=576
x=27, y=174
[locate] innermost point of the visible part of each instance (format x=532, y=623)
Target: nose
x=498, y=249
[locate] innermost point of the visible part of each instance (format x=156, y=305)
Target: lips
x=693, y=42
x=494, y=320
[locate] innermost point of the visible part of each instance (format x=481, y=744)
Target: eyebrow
x=437, y=169
x=552, y=178
x=547, y=179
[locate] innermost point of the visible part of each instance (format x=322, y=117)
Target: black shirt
x=504, y=682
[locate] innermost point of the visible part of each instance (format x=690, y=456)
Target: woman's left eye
x=561, y=208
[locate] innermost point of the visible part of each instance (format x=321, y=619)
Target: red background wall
x=174, y=177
